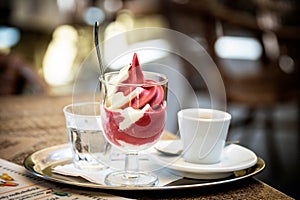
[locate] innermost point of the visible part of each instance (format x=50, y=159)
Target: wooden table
x=31, y=123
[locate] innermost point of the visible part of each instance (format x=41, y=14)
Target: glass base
x=133, y=179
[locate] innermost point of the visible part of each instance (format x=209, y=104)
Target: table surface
x=31, y=123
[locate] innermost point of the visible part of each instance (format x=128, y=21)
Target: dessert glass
x=133, y=116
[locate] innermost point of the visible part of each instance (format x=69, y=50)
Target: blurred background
x=255, y=45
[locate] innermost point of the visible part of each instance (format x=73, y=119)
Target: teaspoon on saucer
x=170, y=147
x=168, y=152
x=175, y=147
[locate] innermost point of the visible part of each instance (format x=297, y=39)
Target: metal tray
x=43, y=161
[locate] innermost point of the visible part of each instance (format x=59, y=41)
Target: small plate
x=234, y=158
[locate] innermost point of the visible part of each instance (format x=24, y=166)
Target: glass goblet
x=133, y=116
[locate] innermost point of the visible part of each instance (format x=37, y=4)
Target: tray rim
x=29, y=165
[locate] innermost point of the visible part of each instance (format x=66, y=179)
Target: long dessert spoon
x=96, y=41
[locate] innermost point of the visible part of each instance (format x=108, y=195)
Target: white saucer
x=234, y=158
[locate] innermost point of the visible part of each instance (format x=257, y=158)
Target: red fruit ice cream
x=133, y=114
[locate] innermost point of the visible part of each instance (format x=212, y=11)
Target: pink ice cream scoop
x=147, y=103
x=151, y=94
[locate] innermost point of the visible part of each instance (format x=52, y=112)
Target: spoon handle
x=96, y=41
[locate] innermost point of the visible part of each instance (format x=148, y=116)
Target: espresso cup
x=203, y=133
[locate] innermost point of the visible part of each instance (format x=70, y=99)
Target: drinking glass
x=89, y=147
x=133, y=118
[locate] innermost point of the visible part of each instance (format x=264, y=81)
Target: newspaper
x=17, y=184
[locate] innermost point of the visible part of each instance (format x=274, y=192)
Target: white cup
x=203, y=133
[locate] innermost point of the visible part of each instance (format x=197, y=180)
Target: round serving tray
x=42, y=162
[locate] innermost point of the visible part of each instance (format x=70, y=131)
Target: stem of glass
x=131, y=166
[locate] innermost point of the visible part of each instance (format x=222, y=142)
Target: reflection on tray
x=241, y=174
